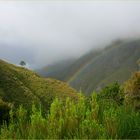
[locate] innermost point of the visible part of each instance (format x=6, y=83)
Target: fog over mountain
x=43, y=32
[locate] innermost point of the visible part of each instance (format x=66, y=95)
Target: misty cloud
x=42, y=32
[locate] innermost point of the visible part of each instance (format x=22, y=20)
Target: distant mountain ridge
x=98, y=68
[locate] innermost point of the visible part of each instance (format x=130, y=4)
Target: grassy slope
x=23, y=86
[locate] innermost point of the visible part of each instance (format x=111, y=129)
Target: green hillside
x=99, y=68
x=21, y=86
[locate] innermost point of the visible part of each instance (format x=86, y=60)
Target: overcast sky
x=42, y=32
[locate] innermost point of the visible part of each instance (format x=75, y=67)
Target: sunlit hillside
x=21, y=86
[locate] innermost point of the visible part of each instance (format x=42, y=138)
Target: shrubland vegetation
x=112, y=113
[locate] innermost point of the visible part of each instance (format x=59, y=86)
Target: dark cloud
x=42, y=32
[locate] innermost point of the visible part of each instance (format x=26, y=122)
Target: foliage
x=4, y=112
x=74, y=120
x=112, y=92
x=132, y=91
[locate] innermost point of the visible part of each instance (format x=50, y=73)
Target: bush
x=132, y=91
x=112, y=92
x=89, y=118
x=4, y=112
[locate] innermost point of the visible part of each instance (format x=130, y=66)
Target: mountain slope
x=114, y=64
x=98, y=68
x=66, y=69
x=57, y=70
x=21, y=86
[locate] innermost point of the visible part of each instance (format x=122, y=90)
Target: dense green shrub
x=132, y=91
x=4, y=112
x=87, y=118
x=112, y=92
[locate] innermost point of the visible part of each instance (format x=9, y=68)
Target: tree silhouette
x=22, y=63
